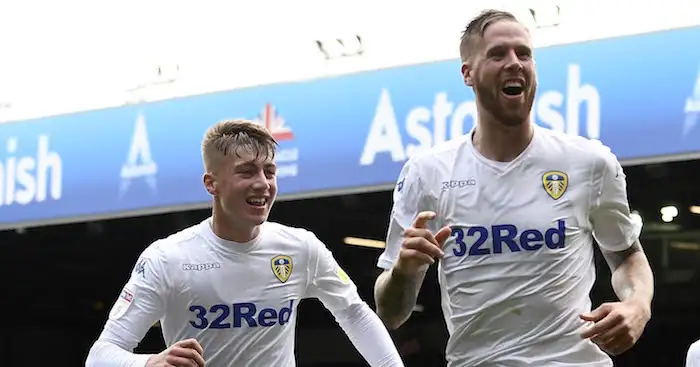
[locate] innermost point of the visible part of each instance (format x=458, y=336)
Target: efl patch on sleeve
x=126, y=298
x=342, y=275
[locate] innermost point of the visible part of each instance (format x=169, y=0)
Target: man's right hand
x=185, y=353
x=420, y=247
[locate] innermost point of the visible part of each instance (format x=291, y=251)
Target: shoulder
x=296, y=243
x=581, y=150
x=421, y=175
x=280, y=231
x=694, y=351
x=166, y=251
x=441, y=154
x=431, y=163
x=289, y=239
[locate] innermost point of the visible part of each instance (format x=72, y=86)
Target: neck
x=224, y=227
x=499, y=142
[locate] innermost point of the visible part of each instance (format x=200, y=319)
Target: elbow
x=99, y=353
x=391, y=321
x=391, y=315
x=393, y=325
x=92, y=359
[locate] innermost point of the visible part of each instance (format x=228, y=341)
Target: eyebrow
x=250, y=164
x=503, y=46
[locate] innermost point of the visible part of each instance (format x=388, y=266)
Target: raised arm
x=410, y=249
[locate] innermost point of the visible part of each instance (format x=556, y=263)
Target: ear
x=210, y=184
x=467, y=73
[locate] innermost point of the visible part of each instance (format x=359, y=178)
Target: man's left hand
x=617, y=325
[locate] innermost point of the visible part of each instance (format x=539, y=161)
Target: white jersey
x=519, y=265
x=238, y=300
x=692, y=358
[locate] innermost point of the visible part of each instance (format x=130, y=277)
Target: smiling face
x=241, y=173
x=499, y=66
x=246, y=187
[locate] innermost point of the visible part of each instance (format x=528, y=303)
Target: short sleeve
x=613, y=226
x=329, y=282
x=141, y=302
x=408, y=201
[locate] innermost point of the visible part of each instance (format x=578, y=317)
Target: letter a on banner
x=139, y=162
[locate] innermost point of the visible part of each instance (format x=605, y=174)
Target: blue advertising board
x=640, y=95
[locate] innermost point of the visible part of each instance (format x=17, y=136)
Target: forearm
x=106, y=354
x=369, y=336
x=395, y=295
x=632, y=278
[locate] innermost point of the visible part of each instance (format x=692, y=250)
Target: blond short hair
x=228, y=137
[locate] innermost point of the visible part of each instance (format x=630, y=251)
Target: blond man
x=226, y=290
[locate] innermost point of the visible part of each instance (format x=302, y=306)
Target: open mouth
x=256, y=201
x=513, y=88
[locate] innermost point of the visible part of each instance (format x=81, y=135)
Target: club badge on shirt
x=282, y=267
x=555, y=183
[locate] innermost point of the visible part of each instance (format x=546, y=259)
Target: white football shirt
x=239, y=300
x=692, y=358
x=519, y=266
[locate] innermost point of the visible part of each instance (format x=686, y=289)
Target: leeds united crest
x=282, y=267
x=555, y=183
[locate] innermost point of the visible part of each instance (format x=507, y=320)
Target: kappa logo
x=200, y=267
x=282, y=267
x=555, y=183
x=139, y=162
x=140, y=268
x=399, y=186
x=446, y=185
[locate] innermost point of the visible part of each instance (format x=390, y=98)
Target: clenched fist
x=618, y=325
x=420, y=246
x=185, y=353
